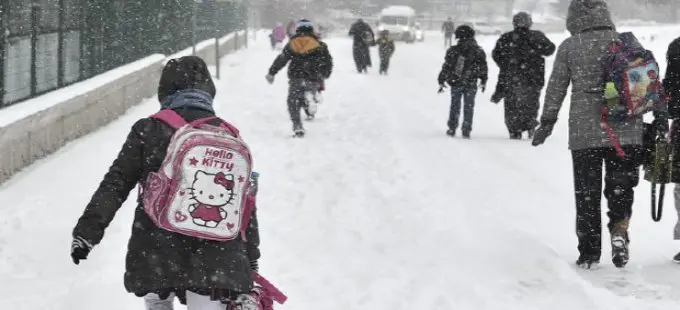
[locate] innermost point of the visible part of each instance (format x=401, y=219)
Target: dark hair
x=189, y=72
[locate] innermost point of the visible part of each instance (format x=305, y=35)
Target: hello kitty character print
x=203, y=186
x=212, y=194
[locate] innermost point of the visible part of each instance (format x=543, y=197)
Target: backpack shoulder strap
x=224, y=124
x=171, y=118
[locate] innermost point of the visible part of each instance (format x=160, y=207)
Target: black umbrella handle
x=657, y=206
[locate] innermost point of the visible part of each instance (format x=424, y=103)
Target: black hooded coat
x=159, y=261
x=363, y=37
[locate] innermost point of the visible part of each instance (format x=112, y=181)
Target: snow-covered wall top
x=398, y=10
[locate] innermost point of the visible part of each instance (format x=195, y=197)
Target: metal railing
x=48, y=44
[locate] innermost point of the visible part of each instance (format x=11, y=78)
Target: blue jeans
x=468, y=95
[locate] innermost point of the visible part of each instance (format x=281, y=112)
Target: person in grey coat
x=578, y=61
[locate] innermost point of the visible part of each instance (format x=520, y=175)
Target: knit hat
x=189, y=72
x=464, y=32
x=522, y=20
x=304, y=26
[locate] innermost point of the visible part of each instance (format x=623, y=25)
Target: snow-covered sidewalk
x=375, y=209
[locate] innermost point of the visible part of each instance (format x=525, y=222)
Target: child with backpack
x=611, y=136
x=385, y=49
x=464, y=64
x=195, y=232
x=309, y=64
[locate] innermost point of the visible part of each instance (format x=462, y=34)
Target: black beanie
x=189, y=72
x=304, y=26
x=464, y=32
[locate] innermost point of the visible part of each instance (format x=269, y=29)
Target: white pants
x=194, y=302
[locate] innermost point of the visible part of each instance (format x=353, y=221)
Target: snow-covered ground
x=375, y=209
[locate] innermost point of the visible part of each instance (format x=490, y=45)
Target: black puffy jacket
x=475, y=66
x=309, y=59
x=157, y=260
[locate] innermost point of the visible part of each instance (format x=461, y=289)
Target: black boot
x=466, y=134
x=516, y=136
x=676, y=258
x=298, y=131
x=451, y=132
x=587, y=262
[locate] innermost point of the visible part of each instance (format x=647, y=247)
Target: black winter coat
x=358, y=32
x=671, y=84
x=309, y=59
x=158, y=260
x=475, y=65
x=385, y=47
x=520, y=53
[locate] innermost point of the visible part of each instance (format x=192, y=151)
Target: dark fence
x=48, y=44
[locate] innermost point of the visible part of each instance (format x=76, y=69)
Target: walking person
x=385, y=49
x=363, y=37
x=464, y=64
x=579, y=62
x=162, y=264
x=448, y=28
x=671, y=84
x=520, y=55
x=310, y=64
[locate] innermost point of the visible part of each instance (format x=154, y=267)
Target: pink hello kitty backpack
x=202, y=188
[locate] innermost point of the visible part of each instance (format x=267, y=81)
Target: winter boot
x=451, y=132
x=676, y=258
x=619, y=233
x=298, y=132
x=516, y=136
x=619, y=251
x=587, y=262
x=311, y=105
x=466, y=134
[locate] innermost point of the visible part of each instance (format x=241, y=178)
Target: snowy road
x=375, y=209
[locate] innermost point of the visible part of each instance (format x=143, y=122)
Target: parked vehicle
x=400, y=21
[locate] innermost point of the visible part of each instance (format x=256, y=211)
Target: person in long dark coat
x=161, y=263
x=520, y=57
x=671, y=84
x=363, y=37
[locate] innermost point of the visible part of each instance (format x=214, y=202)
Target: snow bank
x=21, y=110
x=36, y=128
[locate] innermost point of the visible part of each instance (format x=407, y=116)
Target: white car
x=485, y=28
